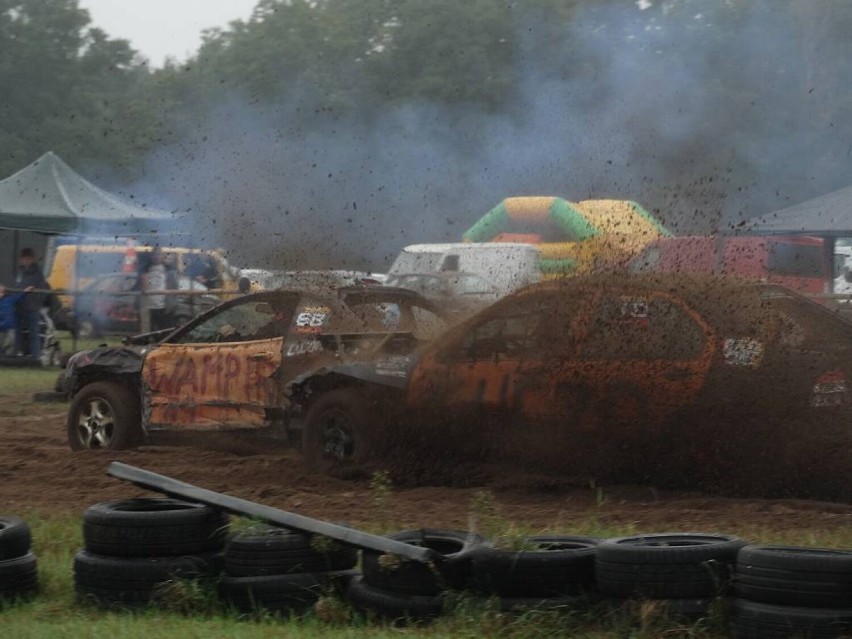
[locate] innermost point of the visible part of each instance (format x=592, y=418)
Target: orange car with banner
x=235, y=366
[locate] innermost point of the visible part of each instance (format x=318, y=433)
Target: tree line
x=731, y=107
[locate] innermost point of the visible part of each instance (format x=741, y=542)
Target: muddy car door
x=640, y=357
x=223, y=370
x=476, y=367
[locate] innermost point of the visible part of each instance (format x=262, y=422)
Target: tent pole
x=15, y=249
x=75, y=285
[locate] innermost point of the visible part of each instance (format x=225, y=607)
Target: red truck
x=800, y=263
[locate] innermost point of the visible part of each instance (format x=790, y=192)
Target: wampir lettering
x=213, y=375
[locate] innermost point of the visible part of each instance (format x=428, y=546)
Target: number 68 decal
x=312, y=318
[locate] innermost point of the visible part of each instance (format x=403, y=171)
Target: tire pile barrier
x=785, y=591
x=685, y=572
x=392, y=588
x=133, y=546
x=18, y=566
x=283, y=572
x=551, y=571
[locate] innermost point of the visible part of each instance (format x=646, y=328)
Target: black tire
x=18, y=576
x=281, y=593
x=751, y=620
x=153, y=528
x=394, y=574
x=135, y=580
x=555, y=564
x=277, y=551
x=104, y=416
x=391, y=605
x=666, y=566
x=15, y=538
x=783, y=575
x=670, y=548
x=339, y=429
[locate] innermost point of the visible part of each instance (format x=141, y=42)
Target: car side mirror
x=244, y=285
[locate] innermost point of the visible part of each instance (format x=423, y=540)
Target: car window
x=427, y=324
x=641, y=328
x=472, y=285
x=250, y=321
x=805, y=325
x=796, y=260
x=512, y=337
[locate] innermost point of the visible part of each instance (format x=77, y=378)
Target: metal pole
x=350, y=536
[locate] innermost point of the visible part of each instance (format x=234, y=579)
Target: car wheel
x=104, y=416
x=337, y=430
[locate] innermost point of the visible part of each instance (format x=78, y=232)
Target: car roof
x=728, y=304
x=465, y=246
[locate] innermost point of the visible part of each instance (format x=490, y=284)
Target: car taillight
x=829, y=389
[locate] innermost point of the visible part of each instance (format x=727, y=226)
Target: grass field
x=55, y=613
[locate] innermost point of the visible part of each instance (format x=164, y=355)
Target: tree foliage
x=703, y=91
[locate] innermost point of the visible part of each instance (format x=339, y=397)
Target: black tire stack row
x=18, y=565
x=787, y=591
x=393, y=588
x=283, y=572
x=134, y=546
x=683, y=571
x=555, y=571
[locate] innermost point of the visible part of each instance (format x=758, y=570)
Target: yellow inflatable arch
x=573, y=238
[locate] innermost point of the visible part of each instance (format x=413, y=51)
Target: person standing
x=8, y=321
x=29, y=307
x=153, y=284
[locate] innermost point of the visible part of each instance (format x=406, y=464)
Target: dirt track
x=39, y=473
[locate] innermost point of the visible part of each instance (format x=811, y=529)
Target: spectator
x=8, y=321
x=172, y=284
x=154, y=282
x=202, y=268
x=29, y=307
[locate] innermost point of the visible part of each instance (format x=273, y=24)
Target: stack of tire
x=18, y=569
x=556, y=571
x=397, y=589
x=134, y=546
x=686, y=572
x=792, y=592
x=283, y=572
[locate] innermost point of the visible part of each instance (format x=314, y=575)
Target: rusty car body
x=603, y=371
x=238, y=365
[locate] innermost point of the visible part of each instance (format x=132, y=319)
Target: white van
x=505, y=266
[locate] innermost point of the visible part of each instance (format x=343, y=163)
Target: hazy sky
x=160, y=28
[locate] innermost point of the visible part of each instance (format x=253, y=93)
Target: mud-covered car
x=653, y=373
x=241, y=364
x=596, y=370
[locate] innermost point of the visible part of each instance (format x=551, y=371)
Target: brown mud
x=38, y=473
